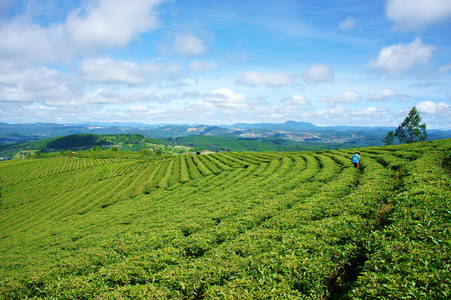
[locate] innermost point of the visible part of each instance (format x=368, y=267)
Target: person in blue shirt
x=356, y=160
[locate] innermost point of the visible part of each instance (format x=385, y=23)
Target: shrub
x=446, y=161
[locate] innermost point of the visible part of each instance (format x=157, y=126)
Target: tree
x=389, y=138
x=409, y=131
x=145, y=152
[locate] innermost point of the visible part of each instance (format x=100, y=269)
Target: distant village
x=9, y=158
x=303, y=136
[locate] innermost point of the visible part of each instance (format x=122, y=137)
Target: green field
x=235, y=225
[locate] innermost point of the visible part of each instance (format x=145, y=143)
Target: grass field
x=236, y=225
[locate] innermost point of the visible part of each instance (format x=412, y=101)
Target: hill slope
x=234, y=225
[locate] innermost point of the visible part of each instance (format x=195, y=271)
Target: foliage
x=225, y=143
x=235, y=225
x=389, y=139
x=446, y=161
x=145, y=152
x=410, y=130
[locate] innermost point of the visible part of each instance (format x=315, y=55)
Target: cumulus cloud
x=146, y=95
x=14, y=94
x=188, y=44
x=347, y=97
x=110, y=23
x=203, y=66
x=294, y=102
x=347, y=24
x=370, y=111
x=383, y=95
x=139, y=110
x=98, y=25
x=32, y=84
x=298, y=100
x=46, y=86
x=106, y=97
x=26, y=41
x=107, y=70
x=318, y=74
x=415, y=15
x=430, y=107
x=340, y=115
x=253, y=79
x=220, y=99
x=397, y=59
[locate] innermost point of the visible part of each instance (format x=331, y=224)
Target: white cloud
x=107, y=70
x=339, y=115
x=30, y=77
x=14, y=94
x=414, y=15
x=143, y=110
x=399, y=58
x=317, y=74
x=50, y=88
x=253, y=79
x=138, y=108
x=347, y=24
x=220, y=99
x=203, y=66
x=430, y=107
x=33, y=84
x=106, y=97
x=442, y=70
x=298, y=100
x=293, y=102
x=347, y=97
x=383, y=95
x=370, y=111
x=97, y=25
x=188, y=44
x=146, y=95
x=24, y=41
x=110, y=23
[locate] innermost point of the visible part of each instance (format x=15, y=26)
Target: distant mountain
x=11, y=134
x=132, y=124
x=304, y=126
x=289, y=125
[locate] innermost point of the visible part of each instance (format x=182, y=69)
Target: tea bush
x=237, y=225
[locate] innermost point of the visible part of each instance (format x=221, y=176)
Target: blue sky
x=349, y=62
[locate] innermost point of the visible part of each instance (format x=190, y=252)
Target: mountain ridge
x=291, y=130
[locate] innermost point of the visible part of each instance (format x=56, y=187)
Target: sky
x=328, y=62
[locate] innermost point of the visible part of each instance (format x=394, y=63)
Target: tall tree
x=411, y=130
x=389, y=138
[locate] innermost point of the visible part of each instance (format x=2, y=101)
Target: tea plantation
x=235, y=225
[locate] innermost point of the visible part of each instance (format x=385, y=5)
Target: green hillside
x=229, y=143
x=236, y=225
x=84, y=141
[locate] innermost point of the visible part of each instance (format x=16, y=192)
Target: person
x=356, y=160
